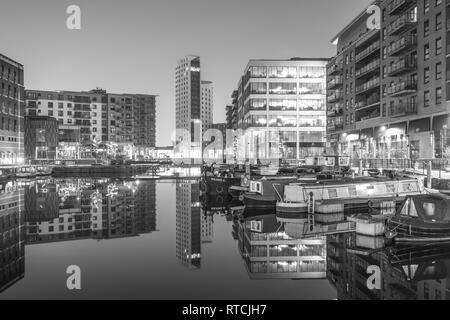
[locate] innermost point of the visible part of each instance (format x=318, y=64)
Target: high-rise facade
x=101, y=117
x=11, y=111
x=206, y=115
x=280, y=105
x=388, y=86
x=194, y=106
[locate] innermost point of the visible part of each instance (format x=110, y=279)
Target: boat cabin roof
x=428, y=207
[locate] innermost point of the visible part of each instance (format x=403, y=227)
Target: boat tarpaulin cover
x=430, y=208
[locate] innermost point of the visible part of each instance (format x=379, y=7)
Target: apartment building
x=280, y=104
x=100, y=117
x=388, y=85
x=11, y=111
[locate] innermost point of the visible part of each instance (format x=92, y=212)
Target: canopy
x=429, y=208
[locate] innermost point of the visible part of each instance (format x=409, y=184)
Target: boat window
x=332, y=193
x=390, y=188
x=352, y=191
x=429, y=209
x=256, y=226
x=407, y=187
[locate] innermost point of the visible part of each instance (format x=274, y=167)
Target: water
x=157, y=240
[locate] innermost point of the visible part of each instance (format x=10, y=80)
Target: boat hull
x=258, y=201
x=410, y=232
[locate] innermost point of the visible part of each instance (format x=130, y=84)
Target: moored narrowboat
x=337, y=196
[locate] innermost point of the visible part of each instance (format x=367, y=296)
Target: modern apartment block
x=388, y=86
x=12, y=108
x=101, y=117
x=281, y=106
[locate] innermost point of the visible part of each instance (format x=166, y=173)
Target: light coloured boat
x=332, y=197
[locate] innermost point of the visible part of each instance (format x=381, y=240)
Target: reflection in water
x=418, y=272
x=74, y=209
x=189, y=225
x=12, y=235
x=39, y=212
x=270, y=251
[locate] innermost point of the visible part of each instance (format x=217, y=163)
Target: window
x=426, y=28
x=258, y=72
x=50, y=113
x=426, y=52
x=426, y=77
x=332, y=193
x=50, y=104
x=438, y=95
x=258, y=88
x=426, y=98
x=438, y=70
x=426, y=6
x=439, y=21
x=438, y=46
x=282, y=72
x=283, y=88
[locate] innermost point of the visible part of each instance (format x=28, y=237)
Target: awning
x=399, y=125
x=420, y=125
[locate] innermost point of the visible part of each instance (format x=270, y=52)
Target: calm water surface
x=161, y=240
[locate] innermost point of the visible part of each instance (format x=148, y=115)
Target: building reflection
x=271, y=248
x=407, y=273
x=12, y=234
x=73, y=209
x=189, y=224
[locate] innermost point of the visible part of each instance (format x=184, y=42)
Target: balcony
x=370, y=102
x=335, y=69
x=402, y=45
x=401, y=24
x=335, y=112
x=369, y=86
x=335, y=96
x=336, y=82
x=398, y=6
x=368, y=114
x=369, y=69
x=404, y=65
x=403, y=109
x=335, y=127
x=403, y=88
x=371, y=50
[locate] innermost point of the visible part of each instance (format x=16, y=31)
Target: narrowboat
x=337, y=196
x=421, y=219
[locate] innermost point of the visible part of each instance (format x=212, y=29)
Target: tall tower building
x=188, y=105
x=206, y=115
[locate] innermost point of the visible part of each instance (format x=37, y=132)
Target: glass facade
x=285, y=102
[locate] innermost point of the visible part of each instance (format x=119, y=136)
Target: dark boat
x=213, y=185
x=265, y=192
x=422, y=219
